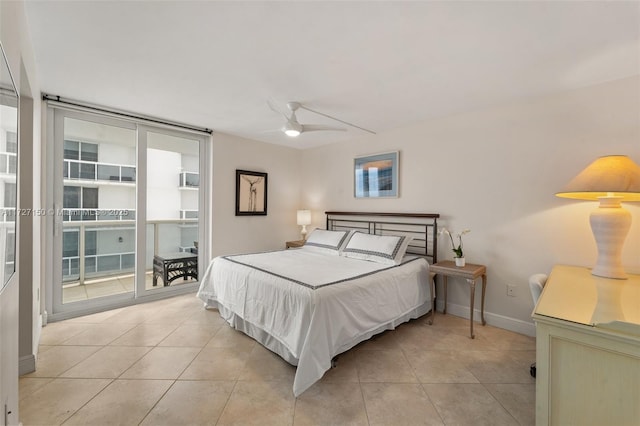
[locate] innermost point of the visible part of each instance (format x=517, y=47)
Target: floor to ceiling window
x=172, y=209
x=127, y=201
x=98, y=209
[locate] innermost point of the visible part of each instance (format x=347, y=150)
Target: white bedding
x=314, y=305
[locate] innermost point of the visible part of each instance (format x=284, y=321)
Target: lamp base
x=304, y=232
x=609, y=306
x=610, y=223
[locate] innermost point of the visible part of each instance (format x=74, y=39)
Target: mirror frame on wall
x=9, y=99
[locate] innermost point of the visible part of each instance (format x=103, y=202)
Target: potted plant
x=457, y=249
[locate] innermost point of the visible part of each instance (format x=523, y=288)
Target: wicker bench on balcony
x=173, y=266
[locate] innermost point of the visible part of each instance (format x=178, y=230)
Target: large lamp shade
x=610, y=180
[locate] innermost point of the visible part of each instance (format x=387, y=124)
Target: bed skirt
x=277, y=347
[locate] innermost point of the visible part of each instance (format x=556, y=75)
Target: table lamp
x=609, y=180
x=304, y=219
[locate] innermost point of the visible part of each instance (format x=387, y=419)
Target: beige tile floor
x=171, y=362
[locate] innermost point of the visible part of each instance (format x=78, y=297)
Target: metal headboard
x=422, y=227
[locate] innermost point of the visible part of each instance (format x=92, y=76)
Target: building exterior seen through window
x=99, y=199
x=8, y=173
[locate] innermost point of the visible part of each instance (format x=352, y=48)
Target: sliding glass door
x=172, y=204
x=127, y=216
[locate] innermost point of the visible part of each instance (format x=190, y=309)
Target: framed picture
x=251, y=193
x=376, y=176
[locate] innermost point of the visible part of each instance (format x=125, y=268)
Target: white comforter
x=316, y=305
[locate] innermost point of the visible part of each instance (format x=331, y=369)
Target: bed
x=364, y=274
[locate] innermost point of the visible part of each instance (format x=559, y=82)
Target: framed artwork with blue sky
x=376, y=176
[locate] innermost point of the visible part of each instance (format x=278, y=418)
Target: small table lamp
x=610, y=180
x=304, y=219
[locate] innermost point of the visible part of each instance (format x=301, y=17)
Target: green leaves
x=457, y=250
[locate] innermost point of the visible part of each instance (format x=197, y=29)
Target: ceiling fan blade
x=321, y=127
x=299, y=105
x=276, y=110
x=293, y=128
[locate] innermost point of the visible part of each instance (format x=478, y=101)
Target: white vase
x=459, y=261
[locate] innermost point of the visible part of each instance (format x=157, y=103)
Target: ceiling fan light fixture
x=291, y=130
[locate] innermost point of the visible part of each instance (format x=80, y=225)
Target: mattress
x=309, y=306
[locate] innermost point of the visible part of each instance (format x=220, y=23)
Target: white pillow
x=387, y=249
x=327, y=241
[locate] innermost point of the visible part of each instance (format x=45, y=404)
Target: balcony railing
x=79, y=267
x=8, y=162
x=7, y=214
x=98, y=171
x=96, y=265
x=189, y=180
x=188, y=214
x=74, y=215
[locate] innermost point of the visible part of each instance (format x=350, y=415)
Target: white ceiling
x=380, y=65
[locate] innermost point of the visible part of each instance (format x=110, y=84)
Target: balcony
x=188, y=214
x=103, y=286
x=77, y=214
x=98, y=172
x=8, y=162
x=189, y=180
x=99, y=255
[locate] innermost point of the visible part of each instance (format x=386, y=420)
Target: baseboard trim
x=500, y=321
x=27, y=364
x=38, y=333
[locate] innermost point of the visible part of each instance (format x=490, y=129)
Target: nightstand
x=293, y=244
x=469, y=272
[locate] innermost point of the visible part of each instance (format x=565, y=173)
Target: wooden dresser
x=588, y=349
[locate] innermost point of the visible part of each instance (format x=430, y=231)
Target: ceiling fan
x=293, y=128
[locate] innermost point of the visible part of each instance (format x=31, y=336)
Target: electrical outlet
x=511, y=290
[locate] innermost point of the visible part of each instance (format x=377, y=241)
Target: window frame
x=55, y=118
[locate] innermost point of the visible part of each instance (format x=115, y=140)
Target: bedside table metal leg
x=444, y=283
x=433, y=301
x=484, y=287
x=472, y=284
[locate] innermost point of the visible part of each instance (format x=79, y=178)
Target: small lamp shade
x=609, y=180
x=304, y=219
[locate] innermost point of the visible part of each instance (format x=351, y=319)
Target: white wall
x=190, y=163
x=496, y=171
x=114, y=153
x=189, y=197
x=163, y=191
x=237, y=234
x=116, y=197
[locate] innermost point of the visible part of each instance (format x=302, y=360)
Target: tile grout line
x=435, y=407
x=156, y=403
x=112, y=380
x=157, y=345
x=226, y=403
x=500, y=402
x=88, y=401
x=364, y=402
